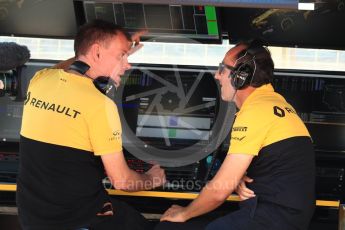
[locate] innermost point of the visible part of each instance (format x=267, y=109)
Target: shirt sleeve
x=249, y=131
x=105, y=129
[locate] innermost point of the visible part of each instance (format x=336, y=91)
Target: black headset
x=246, y=68
x=103, y=84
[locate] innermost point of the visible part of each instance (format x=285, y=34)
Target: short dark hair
x=96, y=31
x=263, y=63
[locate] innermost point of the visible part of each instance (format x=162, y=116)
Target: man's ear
x=95, y=52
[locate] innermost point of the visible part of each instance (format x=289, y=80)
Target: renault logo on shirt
x=40, y=104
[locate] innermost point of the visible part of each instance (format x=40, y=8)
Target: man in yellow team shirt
x=269, y=143
x=71, y=134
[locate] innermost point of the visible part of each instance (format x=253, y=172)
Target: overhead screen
x=38, y=18
x=291, y=4
x=165, y=23
x=321, y=28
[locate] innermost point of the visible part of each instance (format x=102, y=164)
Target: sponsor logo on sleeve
x=239, y=129
x=116, y=136
x=280, y=112
x=238, y=138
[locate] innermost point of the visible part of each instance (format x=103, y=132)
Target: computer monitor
x=173, y=115
x=11, y=101
x=165, y=23
x=320, y=28
x=10, y=119
x=34, y=18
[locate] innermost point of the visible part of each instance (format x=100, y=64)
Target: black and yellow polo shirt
x=67, y=124
x=283, y=168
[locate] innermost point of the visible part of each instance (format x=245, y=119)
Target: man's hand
x=136, y=45
x=175, y=214
x=157, y=176
x=242, y=190
x=136, y=36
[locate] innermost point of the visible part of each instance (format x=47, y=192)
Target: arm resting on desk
x=123, y=178
x=215, y=192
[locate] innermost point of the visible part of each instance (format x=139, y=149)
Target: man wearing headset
x=71, y=134
x=269, y=143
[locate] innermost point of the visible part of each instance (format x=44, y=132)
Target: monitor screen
x=38, y=18
x=172, y=114
x=320, y=28
x=165, y=23
x=173, y=127
x=169, y=128
x=290, y=4
x=10, y=119
x=327, y=136
x=170, y=108
x=12, y=97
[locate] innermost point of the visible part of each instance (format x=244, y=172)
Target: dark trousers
x=251, y=215
x=125, y=218
x=197, y=224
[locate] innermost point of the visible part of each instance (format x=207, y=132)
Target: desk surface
x=171, y=195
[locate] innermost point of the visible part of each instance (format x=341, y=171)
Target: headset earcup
x=242, y=76
x=232, y=79
x=101, y=84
